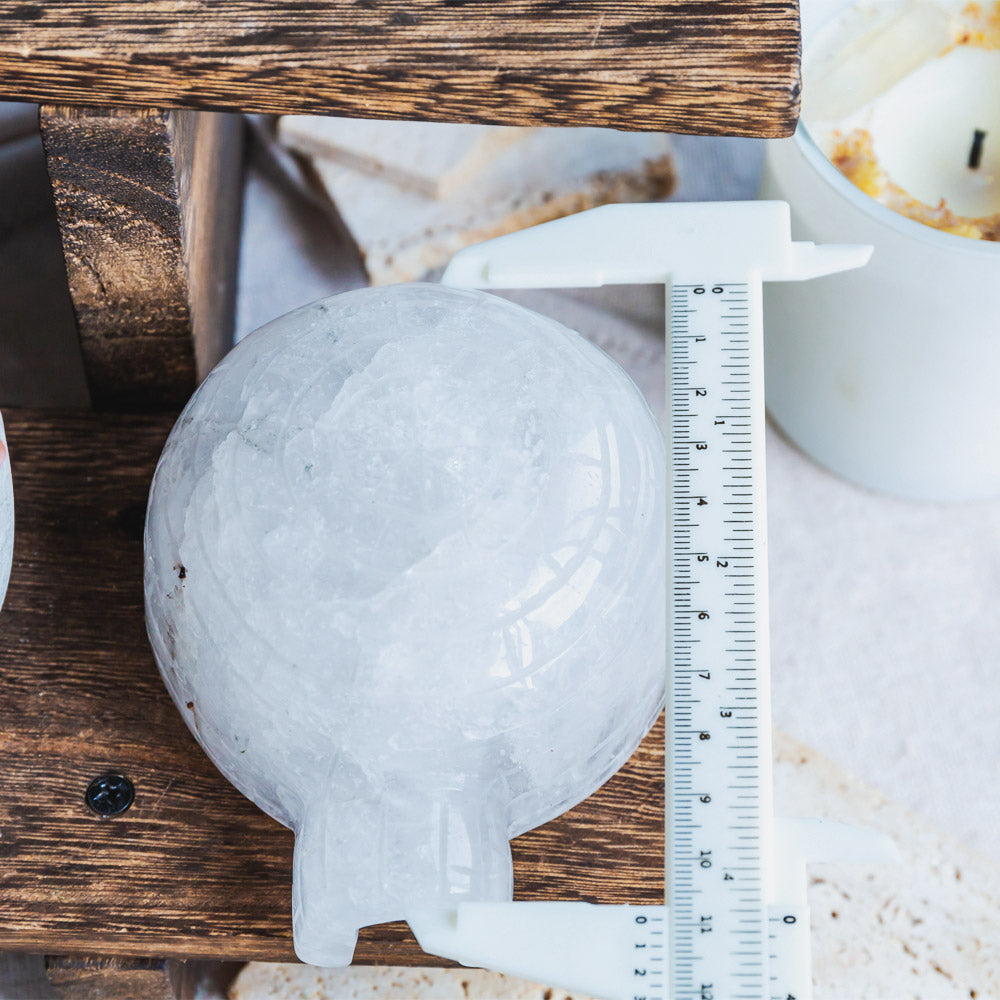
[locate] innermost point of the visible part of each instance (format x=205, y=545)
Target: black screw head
x=110, y=794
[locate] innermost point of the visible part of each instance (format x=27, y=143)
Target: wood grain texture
x=148, y=209
x=192, y=869
x=703, y=66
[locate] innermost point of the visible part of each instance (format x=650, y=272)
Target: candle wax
x=923, y=131
x=910, y=145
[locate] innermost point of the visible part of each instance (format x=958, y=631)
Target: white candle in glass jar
x=888, y=375
x=924, y=131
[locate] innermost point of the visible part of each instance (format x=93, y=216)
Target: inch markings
x=719, y=766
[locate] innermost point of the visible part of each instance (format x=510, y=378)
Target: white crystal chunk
x=405, y=580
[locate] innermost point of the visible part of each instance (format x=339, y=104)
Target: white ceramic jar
x=888, y=374
x=885, y=375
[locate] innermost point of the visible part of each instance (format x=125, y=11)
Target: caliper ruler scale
x=719, y=827
x=737, y=925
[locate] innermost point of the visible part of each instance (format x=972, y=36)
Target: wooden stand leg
x=148, y=204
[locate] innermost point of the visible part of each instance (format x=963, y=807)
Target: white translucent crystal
x=405, y=580
x=6, y=515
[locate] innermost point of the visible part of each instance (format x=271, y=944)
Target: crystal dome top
x=405, y=580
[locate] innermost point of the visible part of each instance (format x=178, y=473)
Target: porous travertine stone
x=282, y=981
x=405, y=580
x=551, y=172
x=924, y=929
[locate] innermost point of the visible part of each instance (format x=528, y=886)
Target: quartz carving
x=405, y=580
x=6, y=515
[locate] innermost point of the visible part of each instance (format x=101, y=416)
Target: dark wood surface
x=703, y=66
x=148, y=209
x=192, y=869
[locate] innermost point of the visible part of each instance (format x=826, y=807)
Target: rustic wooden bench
x=148, y=206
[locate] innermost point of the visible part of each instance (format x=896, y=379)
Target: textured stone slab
x=550, y=173
x=433, y=159
x=926, y=929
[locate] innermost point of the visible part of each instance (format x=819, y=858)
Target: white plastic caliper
x=737, y=924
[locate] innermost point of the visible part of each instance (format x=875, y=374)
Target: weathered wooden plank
x=704, y=66
x=148, y=207
x=192, y=869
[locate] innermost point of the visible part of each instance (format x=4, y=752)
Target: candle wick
x=976, y=152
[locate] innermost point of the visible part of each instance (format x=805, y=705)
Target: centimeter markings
x=719, y=767
x=650, y=953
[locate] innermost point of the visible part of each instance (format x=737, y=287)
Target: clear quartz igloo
x=404, y=578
